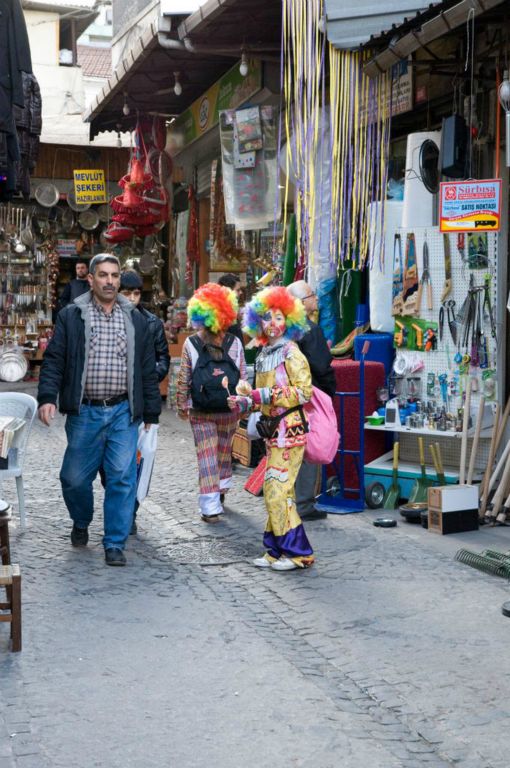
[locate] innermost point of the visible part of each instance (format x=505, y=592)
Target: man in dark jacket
x=131, y=285
x=101, y=366
x=77, y=286
x=315, y=348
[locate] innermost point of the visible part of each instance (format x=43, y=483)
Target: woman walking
x=283, y=384
x=212, y=362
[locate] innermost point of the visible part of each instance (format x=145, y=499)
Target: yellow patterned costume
x=283, y=380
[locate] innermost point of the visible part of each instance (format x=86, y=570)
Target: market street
x=386, y=653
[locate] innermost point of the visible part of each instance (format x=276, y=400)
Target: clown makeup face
x=273, y=325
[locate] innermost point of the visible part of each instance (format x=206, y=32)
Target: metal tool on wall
x=425, y=278
x=410, y=282
x=447, y=285
x=398, y=277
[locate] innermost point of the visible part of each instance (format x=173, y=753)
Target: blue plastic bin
x=381, y=349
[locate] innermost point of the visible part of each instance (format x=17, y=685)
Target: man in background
x=77, y=286
x=315, y=348
x=232, y=281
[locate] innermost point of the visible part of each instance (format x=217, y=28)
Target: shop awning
x=425, y=30
x=349, y=25
x=201, y=48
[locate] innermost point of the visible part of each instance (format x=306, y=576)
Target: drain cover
x=209, y=552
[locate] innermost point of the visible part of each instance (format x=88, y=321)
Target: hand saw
x=425, y=278
x=398, y=277
x=447, y=286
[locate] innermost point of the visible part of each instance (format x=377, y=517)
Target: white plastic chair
x=24, y=407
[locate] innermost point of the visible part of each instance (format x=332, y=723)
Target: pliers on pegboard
x=449, y=305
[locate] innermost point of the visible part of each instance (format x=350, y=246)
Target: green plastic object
x=289, y=263
x=488, y=561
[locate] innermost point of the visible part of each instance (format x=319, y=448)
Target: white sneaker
x=261, y=562
x=283, y=564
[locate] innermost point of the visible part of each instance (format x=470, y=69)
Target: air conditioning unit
x=421, y=182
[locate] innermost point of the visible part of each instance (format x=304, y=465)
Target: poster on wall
x=89, y=186
x=470, y=206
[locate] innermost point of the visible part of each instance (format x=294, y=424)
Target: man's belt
x=107, y=402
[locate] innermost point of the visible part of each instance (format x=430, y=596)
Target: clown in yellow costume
x=283, y=382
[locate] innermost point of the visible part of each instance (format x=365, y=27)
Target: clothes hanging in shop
x=15, y=60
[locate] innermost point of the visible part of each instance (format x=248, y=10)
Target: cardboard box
x=453, y=522
x=452, y=498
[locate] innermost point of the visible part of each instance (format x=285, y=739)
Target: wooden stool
x=5, y=551
x=10, y=578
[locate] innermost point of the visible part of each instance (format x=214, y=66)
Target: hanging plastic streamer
x=360, y=131
x=336, y=156
x=193, y=250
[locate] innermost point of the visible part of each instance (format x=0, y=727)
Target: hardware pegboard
x=442, y=359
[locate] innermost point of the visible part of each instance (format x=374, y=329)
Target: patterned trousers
x=284, y=535
x=213, y=434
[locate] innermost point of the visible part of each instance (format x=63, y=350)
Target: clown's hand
x=243, y=388
x=239, y=403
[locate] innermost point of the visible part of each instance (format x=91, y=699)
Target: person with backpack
x=283, y=388
x=212, y=362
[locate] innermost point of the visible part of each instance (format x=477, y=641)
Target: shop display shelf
x=485, y=433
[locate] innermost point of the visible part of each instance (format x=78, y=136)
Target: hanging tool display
x=410, y=280
x=447, y=285
x=449, y=305
x=425, y=278
x=398, y=277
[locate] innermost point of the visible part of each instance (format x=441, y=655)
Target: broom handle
x=499, y=467
x=434, y=459
x=439, y=459
x=474, y=447
x=465, y=427
x=422, y=451
x=502, y=426
x=488, y=471
x=498, y=496
x=395, y=456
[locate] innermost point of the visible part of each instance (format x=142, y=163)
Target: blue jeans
x=101, y=436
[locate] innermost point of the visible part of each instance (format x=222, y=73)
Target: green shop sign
x=227, y=93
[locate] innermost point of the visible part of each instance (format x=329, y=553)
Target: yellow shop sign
x=90, y=186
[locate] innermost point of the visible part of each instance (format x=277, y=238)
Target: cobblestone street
x=385, y=654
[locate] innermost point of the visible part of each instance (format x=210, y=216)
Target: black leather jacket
x=157, y=330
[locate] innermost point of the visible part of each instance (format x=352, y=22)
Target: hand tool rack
x=441, y=359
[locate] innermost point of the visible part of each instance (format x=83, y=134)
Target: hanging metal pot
x=47, y=194
x=88, y=220
x=71, y=201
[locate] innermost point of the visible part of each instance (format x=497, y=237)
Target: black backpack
x=207, y=392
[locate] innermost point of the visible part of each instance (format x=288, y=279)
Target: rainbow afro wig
x=275, y=298
x=213, y=307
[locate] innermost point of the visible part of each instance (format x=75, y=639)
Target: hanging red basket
x=118, y=233
x=136, y=205
x=137, y=220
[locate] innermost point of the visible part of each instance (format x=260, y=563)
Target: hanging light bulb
x=177, y=85
x=125, y=108
x=504, y=100
x=243, y=66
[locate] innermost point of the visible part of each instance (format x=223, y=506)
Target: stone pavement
x=386, y=654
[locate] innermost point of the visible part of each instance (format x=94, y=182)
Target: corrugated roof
x=349, y=25
x=95, y=61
